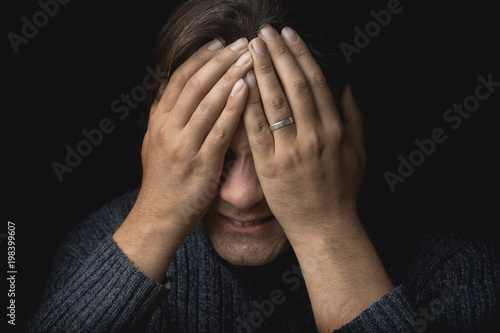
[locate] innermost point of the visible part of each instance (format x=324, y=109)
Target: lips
x=244, y=224
x=248, y=223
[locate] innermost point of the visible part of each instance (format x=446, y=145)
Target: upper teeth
x=238, y=223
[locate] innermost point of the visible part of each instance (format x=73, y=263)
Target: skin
x=299, y=184
x=241, y=198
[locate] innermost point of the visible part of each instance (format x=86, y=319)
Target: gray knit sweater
x=445, y=282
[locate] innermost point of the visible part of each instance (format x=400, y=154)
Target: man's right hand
x=189, y=131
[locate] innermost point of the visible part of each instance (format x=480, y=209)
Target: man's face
x=240, y=224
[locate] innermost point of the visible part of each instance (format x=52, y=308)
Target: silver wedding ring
x=281, y=124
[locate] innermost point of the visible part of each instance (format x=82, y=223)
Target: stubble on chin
x=246, y=249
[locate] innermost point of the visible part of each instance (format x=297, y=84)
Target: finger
x=295, y=82
x=209, y=109
x=276, y=107
x=319, y=85
x=178, y=79
x=259, y=136
x=219, y=138
x=353, y=120
x=204, y=79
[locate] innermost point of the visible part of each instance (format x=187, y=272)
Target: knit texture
x=445, y=281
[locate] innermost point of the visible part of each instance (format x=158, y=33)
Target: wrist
x=327, y=229
x=168, y=213
x=149, y=244
x=342, y=271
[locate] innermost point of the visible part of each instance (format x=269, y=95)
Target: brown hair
x=196, y=22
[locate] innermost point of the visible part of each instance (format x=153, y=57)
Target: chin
x=249, y=252
x=246, y=249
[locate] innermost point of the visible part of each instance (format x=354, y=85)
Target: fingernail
x=239, y=45
x=237, y=87
x=268, y=32
x=243, y=59
x=215, y=45
x=259, y=46
x=250, y=79
x=289, y=35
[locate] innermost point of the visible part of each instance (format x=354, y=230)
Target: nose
x=240, y=185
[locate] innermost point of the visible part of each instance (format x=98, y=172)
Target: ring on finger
x=281, y=124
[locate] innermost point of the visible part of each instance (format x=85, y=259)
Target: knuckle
x=178, y=78
x=302, y=53
x=294, y=157
x=315, y=143
x=176, y=152
x=278, y=102
x=254, y=100
x=294, y=151
x=220, y=58
x=333, y=125
x=258, y=128
x=337, y=132
x=260, y=135
x=197, y=57
x=219, y=133
x=217, y=136
x=193, y=84
x=225, y=83
x=205, y=106
x=229, y=77
x=319, y=80
x=280, y=50
x=300, y=84
x=231, y=109
x=266, y=68
x=163, y=133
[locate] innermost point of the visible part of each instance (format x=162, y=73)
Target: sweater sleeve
x=392, y=313
x=93, y=287
x=452, y=285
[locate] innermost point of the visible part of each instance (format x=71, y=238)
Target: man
x=247, y=138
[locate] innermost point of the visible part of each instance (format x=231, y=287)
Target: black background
x=65, y=79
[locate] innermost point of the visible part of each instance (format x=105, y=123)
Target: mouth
x=254, y=226
x=249, y=223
